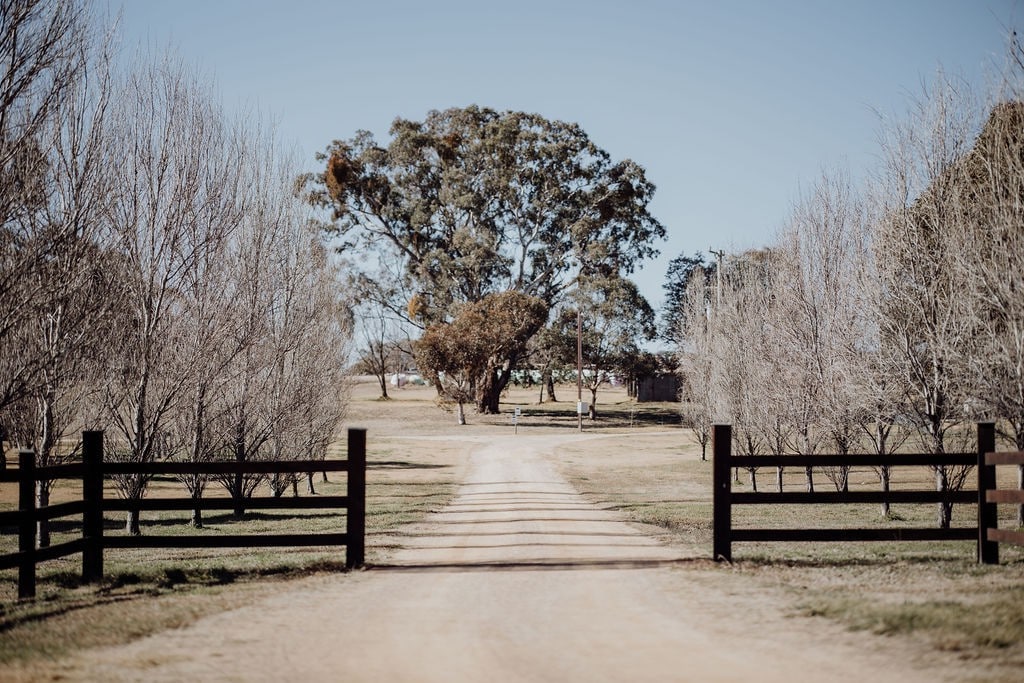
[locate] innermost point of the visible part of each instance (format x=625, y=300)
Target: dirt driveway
x=519, y=579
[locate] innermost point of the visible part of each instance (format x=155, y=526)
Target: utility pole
x=579, y=369
x=718, y=276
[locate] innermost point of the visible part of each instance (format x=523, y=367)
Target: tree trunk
x=310, y=489
x=131, y=523
x=778, y=478
x=593, y=404
x=489, y=392
x=236, y=486
x=461, y=414
x=882, y=428
x=549, y=381
x=1020, y=485
x=944, y=510
x=196, y=520
x=809, y=476
x=383, y=379
x=885, y=475
x=278, y=485
x=43, y=525
x=753, y=479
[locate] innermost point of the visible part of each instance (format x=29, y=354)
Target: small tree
x=677, y=308
x=925, y=319
x=477, y=343
x=614, y=320
x=695, y=360
x=172, y=141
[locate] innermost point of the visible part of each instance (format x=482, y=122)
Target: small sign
x=519, y=411
x=581, y=407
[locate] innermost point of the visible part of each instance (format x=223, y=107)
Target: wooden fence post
x=721, y=448
x=988, y=513
x=355, y=549
x=92, y=518
x=27, y=524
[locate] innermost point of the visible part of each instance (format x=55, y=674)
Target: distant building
x=662, y=387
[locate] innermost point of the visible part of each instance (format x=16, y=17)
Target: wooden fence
x=986, y=533
x=988, y=516
x=93, y=470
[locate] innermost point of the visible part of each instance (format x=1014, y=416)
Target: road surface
x=518, y=579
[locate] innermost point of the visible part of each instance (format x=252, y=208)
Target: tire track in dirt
x=519, y=578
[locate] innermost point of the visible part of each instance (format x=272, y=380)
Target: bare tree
x=925, y=320
x=820, y=318
x=695, y=359
x=62, y=325
x=990, y=261
x=380, y=354
x=738, y=323
x=172, y=171
x=44, y=46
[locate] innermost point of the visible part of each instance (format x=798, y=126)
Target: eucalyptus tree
x=456, y=353
x=614, y=320
x=681, y=271
x=472, y=202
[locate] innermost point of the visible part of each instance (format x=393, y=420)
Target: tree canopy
x=471, y=202
x=677, y=278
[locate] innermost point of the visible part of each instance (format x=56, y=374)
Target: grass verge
x=931, y=592
x=149, y=590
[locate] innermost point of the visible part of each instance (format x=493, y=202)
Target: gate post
x=27, y=524
x=988, y=513
x=721, y=448
x=355, y=548
x=92, y=518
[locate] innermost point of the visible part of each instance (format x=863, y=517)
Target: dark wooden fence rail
x=991, y=534
x=724, y=498
x=93, y=470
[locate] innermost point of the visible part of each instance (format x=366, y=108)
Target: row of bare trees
x=882, y=313
x=161, y=278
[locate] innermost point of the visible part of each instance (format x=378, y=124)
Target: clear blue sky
x=730, y=105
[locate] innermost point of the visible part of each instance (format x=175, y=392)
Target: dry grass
x=146, y=591
x=931, y=592
x=643, y=465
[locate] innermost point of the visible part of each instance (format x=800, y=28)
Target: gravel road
x=519, y=579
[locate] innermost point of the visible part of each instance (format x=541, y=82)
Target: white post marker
x=515, y=420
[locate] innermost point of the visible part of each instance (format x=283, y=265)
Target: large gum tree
x=472, y=201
